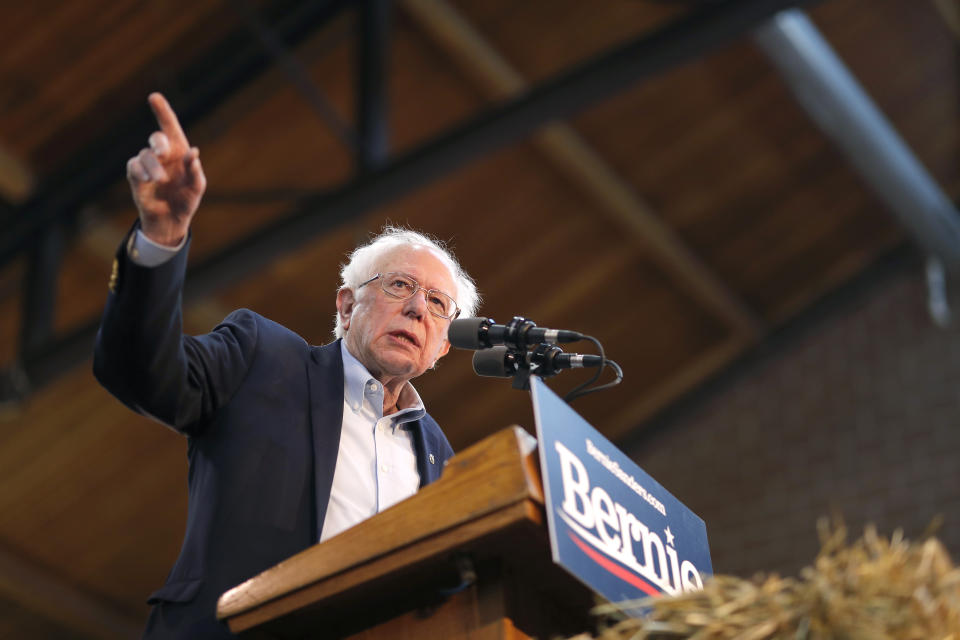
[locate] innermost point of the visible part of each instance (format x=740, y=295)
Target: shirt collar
x=355, y=380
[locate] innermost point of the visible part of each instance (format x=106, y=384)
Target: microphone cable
x=582, y=389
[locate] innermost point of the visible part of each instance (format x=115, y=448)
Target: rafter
x=559, y=97
x=570, y=153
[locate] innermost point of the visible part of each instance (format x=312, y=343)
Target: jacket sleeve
x=142, y=357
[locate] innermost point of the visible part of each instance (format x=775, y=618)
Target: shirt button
x=384, y=468
x=373, y=386
x=356, y=406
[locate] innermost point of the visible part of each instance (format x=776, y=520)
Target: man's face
x=397, y=338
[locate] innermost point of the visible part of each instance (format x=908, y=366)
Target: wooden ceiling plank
x=579, y=286
x=570, y=152
x=16, y=177
x=842, y=270
x=34, y=493
x=99, y=512
x=42, y=591
x=42, y=426
x=574, y=157
x=101, y=238
x=674, y=386
x=950, y=12
x=110, y=56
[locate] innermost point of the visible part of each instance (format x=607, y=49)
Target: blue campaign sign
x=612, y=525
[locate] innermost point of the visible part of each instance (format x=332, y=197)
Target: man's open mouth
x=406, y=337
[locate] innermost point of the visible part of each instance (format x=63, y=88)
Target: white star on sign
x=669, y=536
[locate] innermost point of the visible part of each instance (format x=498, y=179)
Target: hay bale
x=874, y=589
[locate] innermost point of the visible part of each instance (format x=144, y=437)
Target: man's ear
x=443, y=349
x=345, y=302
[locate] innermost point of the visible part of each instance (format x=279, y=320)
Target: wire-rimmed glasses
x=403, y=287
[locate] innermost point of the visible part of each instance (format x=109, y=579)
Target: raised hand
x=166, y=178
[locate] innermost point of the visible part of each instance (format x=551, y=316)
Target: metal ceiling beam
x=596, y=79
x=40, y=290
x=842, y=109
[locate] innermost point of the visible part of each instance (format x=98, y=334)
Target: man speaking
x=288, y=444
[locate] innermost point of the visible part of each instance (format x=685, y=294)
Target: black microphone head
x=464, y=333
x=495, y=362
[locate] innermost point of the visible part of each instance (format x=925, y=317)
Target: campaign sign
x=611, y=525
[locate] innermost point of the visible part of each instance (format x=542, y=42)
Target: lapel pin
x=432, y=459
x=114, y=276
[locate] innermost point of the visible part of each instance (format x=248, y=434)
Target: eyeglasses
x=403, y=287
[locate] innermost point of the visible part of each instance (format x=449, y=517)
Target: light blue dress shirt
x=377, y=461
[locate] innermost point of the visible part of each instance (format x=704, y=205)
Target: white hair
x=362, y=262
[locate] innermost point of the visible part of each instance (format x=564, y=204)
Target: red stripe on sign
x=614, y=568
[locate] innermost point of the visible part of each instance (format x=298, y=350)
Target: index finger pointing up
x=167, y=120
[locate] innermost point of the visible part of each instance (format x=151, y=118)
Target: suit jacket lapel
x=428, y=459
x=325, y=374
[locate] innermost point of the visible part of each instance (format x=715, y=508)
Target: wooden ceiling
x=679, y=221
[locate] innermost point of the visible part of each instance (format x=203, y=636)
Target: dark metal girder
x=47, y=362
x=40, y=290
x=373, y=50
x=297, y=73
x=199, y=88
x=39, y=225
x=560, y=97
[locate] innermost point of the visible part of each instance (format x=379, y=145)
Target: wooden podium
x=466, y=557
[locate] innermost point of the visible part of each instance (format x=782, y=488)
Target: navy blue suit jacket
x=262, y=410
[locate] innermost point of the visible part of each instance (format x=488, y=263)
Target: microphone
x=519, y=333
x=545, y=360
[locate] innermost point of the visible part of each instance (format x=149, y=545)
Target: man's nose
x=417, y=303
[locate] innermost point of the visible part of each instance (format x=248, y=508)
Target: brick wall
x=857, y=412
